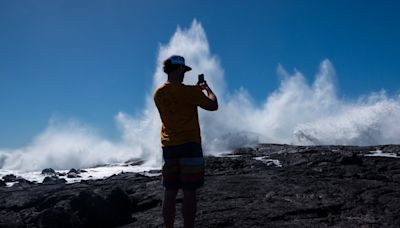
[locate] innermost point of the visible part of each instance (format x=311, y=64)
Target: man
x=183, y=166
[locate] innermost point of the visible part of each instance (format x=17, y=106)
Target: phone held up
x=201, y=78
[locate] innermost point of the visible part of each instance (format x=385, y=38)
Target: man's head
x=175, y=67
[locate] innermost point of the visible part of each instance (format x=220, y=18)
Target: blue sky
x=89, y=60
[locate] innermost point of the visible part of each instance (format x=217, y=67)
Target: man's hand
x=213, y=103
x=203, y=85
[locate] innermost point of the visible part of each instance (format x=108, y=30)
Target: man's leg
x=168, y=207
x=189, y=208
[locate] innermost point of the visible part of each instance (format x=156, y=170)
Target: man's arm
x=212, y=104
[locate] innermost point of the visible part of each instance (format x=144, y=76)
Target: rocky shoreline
x=268, y=185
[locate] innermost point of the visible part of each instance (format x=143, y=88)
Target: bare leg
x=168, y=207
x=189, y=208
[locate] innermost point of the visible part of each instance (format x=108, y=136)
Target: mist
x=297, y=112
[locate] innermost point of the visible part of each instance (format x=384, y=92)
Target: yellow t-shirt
x=177, y=105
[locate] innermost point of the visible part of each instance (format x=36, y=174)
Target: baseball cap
x=178, y=60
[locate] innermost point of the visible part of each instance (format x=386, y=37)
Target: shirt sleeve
x=197, y=97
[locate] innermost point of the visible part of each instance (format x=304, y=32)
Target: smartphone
x=201, y=78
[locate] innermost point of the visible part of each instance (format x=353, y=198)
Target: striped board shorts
x=183, y=167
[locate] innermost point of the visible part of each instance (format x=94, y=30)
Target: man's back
x=177, y=105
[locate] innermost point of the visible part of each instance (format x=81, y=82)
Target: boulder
x=53, y=180
x=49, y=172
x=23, y=183
x=9, y=178
x=121, y=206
x=243, y=151
x=57, y=217
x=134, y=162
x=154, y=171
x=94, y=210
x=354, y=159
x=73, y=171
x=73, y=175
x=61, y=174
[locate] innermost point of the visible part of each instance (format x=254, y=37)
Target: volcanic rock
x=352, y=160
x=62, y=174
x=20, y=182
x=23, y=183
x=73, y=173
x=10, y=178
x=154, y=171
x=94, y=210
x=315, y=186
x=134, y=162
x=53, y=180
x=49, y=172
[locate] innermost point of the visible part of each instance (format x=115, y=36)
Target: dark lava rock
x=18, y=181
x=93, y=210
x=61, y=174
x=73, y=173
x=53, y=180
x=317, y=186
x=154, y=171
x=134, y=162
x=49, y=171
x=352, y=160
x=243, y=151
x=57, y=217
x=121, y=206
x=9, y=178
x=23, y=183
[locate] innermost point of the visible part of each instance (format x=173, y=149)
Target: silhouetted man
x=183, y=166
